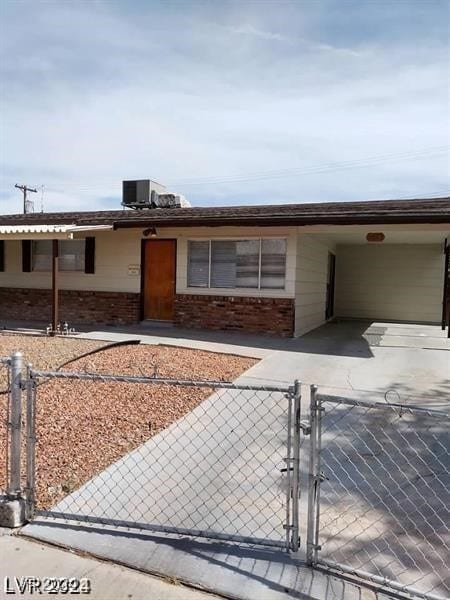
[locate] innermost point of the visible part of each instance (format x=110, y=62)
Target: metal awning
x=53, y=233
x=49, y=232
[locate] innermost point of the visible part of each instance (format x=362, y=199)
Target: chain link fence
x=379, y=493
x=202, y=458
x=222, y=460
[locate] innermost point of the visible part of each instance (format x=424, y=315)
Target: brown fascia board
x=285, y=220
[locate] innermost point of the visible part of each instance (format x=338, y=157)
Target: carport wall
x=393, y=282
x=398, y=281
x=311, y=277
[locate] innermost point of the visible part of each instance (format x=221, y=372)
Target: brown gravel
x=85, y=426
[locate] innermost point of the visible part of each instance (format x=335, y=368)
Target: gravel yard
x=84, y=426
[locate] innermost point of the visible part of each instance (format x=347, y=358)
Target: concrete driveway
x=180, y=478
x=397, y=363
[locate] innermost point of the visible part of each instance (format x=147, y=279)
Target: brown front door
x=159, y=279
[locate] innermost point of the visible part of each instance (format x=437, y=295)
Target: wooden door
x=159, y=279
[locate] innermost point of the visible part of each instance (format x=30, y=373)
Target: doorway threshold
x=157, y=323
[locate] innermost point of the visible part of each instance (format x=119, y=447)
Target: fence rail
x=379, y=493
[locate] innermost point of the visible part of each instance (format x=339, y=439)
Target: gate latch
x=305, y=426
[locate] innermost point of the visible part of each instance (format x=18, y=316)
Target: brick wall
x=273, y=316
x=74, y=306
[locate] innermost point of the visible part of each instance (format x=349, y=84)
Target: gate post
x=14, y=485
x=12, y=506
x=312, y=538
x=31, y=443
x=295, y=537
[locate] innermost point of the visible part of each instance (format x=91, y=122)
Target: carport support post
x=55, y=254
x=445, y=298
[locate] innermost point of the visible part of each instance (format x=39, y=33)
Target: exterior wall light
x=151, y=231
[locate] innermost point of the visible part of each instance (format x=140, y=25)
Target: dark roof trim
x=279, y=221
x=436, y=210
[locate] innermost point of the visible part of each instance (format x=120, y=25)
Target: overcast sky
x=225, y=102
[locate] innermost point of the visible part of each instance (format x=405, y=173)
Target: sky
x=225, y=102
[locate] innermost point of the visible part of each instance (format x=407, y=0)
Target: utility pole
x=25, y=189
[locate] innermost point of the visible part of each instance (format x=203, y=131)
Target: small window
x=42, y=255
x=71, y=255
x=257, y=264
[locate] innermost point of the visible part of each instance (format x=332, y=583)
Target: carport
x=381, y=273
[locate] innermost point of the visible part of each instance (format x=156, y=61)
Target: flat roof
x=436, y=210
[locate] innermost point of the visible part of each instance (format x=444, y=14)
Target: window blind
x=273, y=264
x=223, y=264
x=257, y=264
x=198, y=264
x=71, y=255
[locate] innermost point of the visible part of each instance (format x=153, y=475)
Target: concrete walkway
x=21, y=558
x=394, y=362
x=187, y=470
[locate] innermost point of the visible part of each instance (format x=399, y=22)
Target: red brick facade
x=74, y=306
x=274, y=316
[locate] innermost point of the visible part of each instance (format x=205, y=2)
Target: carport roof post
x=55, y=290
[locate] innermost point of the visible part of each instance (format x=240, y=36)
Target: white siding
x=116, y=250
x=389, y=282
x=311, y=281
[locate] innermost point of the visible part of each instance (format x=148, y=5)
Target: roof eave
x=282, y=220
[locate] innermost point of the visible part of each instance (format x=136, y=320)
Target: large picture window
x=257, y=264
x=71, y=255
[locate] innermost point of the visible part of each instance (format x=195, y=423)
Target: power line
x=275, y=174
x=327, y=168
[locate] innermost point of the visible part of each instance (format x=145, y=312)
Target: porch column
x=55, y=316
x=445, y=298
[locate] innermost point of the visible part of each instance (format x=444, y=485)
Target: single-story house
x=279, y=269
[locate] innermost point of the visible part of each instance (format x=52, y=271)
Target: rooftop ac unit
x=138, y=193
x=169, y=200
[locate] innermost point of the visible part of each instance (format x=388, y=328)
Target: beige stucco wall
x=392, y=282
x=116, y=251
x=311, y=281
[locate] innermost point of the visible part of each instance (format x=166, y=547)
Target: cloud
x=100, y=92
x=258, y=33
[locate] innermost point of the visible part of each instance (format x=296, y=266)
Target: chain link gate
x=227, y=470
x=379, y=494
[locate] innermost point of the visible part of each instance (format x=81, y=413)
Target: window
x=257, y=264
x=71, y=255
